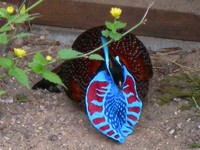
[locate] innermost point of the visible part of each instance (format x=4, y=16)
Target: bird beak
x=120, y=86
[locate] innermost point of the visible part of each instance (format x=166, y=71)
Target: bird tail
x=50, y=86
x=45, y=84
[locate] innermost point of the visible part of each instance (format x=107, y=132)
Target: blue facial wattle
x=112, y=111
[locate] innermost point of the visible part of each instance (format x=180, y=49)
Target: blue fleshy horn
x=106, y=54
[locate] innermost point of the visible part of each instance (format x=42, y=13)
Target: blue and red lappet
x=113, y=111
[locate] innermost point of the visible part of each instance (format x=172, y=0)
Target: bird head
x=113, y=66
x=112, y=102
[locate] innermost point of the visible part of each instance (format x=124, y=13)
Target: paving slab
x=68, y=36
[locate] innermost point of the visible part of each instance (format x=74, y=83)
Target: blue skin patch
x=111, y=111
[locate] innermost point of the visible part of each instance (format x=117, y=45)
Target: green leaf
x=52, y=77
x=11, y=18
x=5, y=28
x=39, y=63
x=2, y=92
x=68, y=54
x=3, y=13
x=115, y=36
x=20, y=75
x=22, y=35
x=6, y=62
x=36, y=67
x=22, y=18
x=105, y=33
x=195, y=145
x=22, y=10
x=119, y=25
x=115, y=26
x=110, y=26
x=40, y=59
x=96, y=57
x=3, y=38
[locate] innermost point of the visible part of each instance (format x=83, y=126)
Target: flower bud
x=10, y=10
x=19, y=52
x=116, y=12
x=48, y=58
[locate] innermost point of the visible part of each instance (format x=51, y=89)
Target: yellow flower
x=116, y=12
x=19, y=52
x=10, y=9
x=48, y=58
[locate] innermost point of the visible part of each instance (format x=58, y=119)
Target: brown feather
x=76, y=74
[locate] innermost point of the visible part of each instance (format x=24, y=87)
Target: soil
x=40, y=120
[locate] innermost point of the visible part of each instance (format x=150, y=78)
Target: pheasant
x=112, y=91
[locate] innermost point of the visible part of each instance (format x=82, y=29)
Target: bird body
x=76, y=74
x=112, y=90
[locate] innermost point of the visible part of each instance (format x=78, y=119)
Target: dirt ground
x=39, y=120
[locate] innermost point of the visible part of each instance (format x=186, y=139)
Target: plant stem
x=197, y=106
x=18, y=15
x=143, y=20
x=34, y=5
x=40, y=51
x=133, y=28
x=22, y=4
x=86, y=54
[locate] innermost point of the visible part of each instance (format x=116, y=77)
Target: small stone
x=149, y=117
x=198, y=126
x=188, y=120
x=53, y=137
x=18, y=42
x=6, y=138
x=168, y=128
x=55, y=97
x=177, y=99
x=179, y=125
x=171, y=132
x=18, y=122
x=13, y=120
x=42, y=37
x=80, y=121
x=40, y=128
x=1, y=122
x=62, y=119
x=42, y=107
x=7, y=101
x=37, y=131
x=25, y=47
